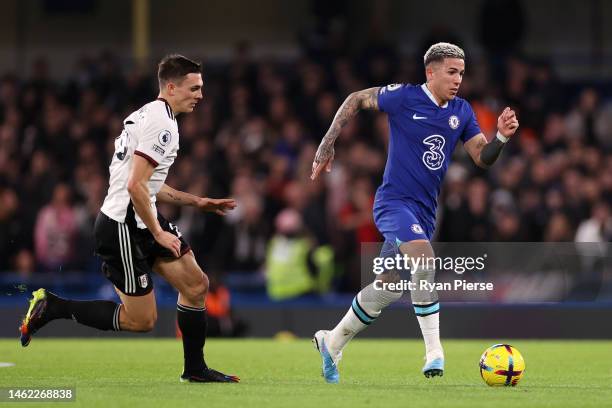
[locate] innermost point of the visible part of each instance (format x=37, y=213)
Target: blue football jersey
x=422, y=139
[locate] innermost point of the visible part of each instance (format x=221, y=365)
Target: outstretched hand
x=219, y=206
x=507, y=123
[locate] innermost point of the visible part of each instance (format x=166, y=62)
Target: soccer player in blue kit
x=426, y=122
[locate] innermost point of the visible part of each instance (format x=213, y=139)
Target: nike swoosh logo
x=417, y=117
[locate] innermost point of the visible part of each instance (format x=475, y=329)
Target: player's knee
x=197, y=291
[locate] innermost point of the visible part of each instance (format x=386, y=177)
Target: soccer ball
x=501, y=364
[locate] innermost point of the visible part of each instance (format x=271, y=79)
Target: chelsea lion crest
x=453, y=122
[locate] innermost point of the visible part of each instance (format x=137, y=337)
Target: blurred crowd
x=254, y=137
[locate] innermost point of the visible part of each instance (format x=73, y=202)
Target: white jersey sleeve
x=156, y=139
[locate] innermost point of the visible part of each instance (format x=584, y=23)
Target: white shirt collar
x=430, y=95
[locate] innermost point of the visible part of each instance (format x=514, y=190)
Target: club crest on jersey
x=143, y=281
x=453, y=122
x=164, y=137
x=416, y=228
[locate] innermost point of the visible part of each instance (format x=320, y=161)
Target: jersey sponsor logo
x=434, y=157
x=453, y=122
x=164, y=137
x=417, y=117
x=417, y=229
x=158, y=149
x=142, y=279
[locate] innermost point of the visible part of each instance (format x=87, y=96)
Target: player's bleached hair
x=439, y=51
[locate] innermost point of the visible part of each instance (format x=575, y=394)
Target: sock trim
x=361, y=314
x=426, y=310
x=183, y=308
x=116, y=326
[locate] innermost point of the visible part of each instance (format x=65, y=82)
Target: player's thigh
x=184, y=274
x=399, y=223
x=125, y=262
x=138, y=312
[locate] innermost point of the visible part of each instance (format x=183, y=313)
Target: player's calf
x=45, y=307
x=367, y=305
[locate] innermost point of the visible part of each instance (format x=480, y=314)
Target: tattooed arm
x=219, y=206
x=485, y=154
x=474, y=148
x=365, y=99
x=169, y=195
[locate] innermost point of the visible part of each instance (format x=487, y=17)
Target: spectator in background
x=356, y=222
x=242, y=241
x=559, y=229
x=598, y=228
x=55, y=231
x=294, y=266
x=478, y=224
x=593, y=237
x=24, y=263
x=253, y=138
x=221, y=321
x=10, y=228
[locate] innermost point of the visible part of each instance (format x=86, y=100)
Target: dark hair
x=175, y=67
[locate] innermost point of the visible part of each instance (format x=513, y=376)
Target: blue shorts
x=400, y=221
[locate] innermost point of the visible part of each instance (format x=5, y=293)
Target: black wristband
x=491, y=151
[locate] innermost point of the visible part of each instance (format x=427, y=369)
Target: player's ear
x=429, y=71
x=170, y=88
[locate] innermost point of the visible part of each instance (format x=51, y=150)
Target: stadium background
x=275, y=72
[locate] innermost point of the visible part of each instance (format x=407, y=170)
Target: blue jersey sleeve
x=390, y=98
x=471, y=128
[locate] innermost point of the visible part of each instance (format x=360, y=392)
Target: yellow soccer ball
x=502, y=364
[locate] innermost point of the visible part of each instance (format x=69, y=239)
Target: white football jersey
x=150, y=132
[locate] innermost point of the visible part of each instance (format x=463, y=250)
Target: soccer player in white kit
x=133, y=239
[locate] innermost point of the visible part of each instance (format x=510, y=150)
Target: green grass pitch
x=385, y=373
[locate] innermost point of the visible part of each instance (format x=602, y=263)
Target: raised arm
x=219, y=206
x=485, y=154
x=364, y=99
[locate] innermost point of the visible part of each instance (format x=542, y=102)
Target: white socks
x=430, y=327
x=367, y=306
